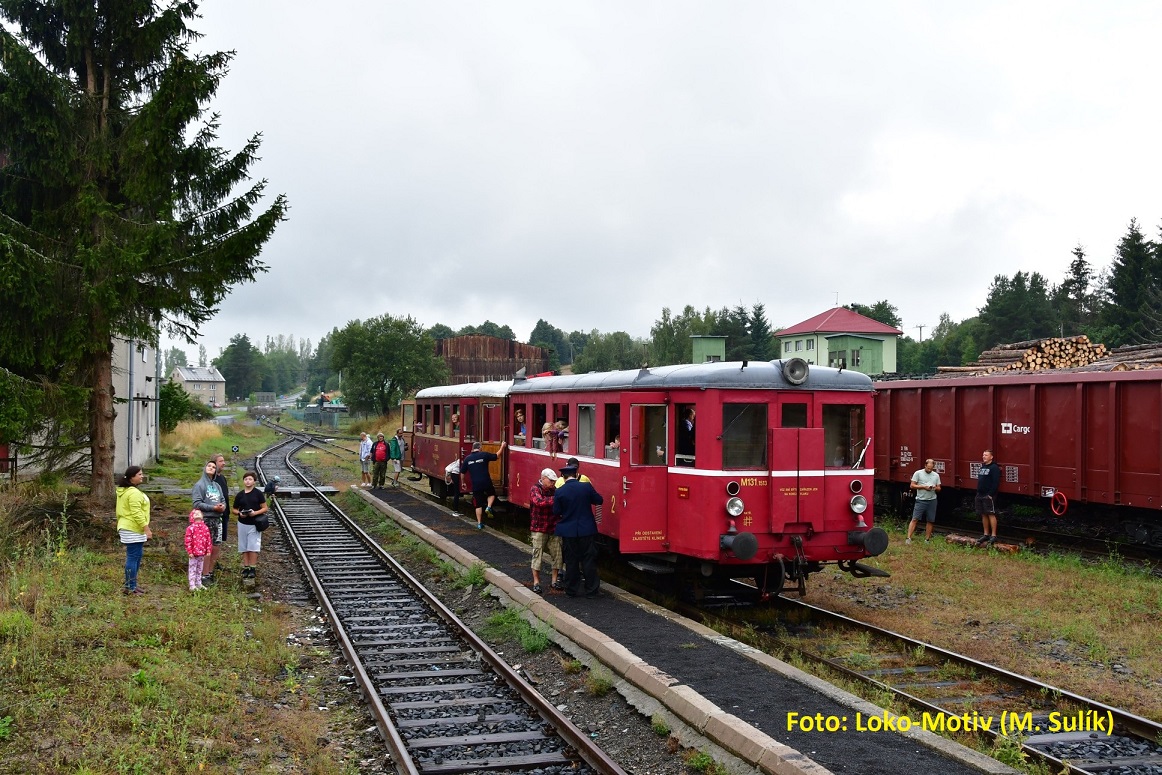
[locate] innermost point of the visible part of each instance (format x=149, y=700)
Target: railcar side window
x=446, y=428
x=585, y=430
x=492, y=427
x=536, y=428
x=612, y=431
x=428, y=419
x=470, y=425
x=744, y=435
x=794, y=416
x=843, y=434
x=409, y=416
x=561, y=429
x=648, y=436
x=519, y=425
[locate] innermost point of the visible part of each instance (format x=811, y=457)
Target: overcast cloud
x=592, y=163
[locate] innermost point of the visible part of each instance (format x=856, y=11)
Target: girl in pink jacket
x=198, y=545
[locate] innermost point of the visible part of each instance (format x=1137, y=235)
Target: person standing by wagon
x=988, y=481
x=925, y=483
x=395, y=449
x=365, y=459
x=208, y=498
x=132, y=525
x=483, y=493
x=542, y=526
x=379, y=456
x=248, y=504
x=573, y=504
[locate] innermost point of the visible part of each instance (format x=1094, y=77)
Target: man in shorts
x=925, y=483
x=988, y=481
x=543, y=525
x=395, y=449
x=483, y=493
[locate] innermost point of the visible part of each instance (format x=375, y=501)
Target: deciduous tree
x=383, y=360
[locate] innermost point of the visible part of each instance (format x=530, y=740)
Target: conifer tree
x=119, y=215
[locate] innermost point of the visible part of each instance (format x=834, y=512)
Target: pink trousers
x=196, y=564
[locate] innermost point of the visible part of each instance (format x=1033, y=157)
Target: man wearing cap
x=379, y=455
x=577, y=527
x=575, y=463
x=483, y=493
x=365, y=458
x=542, y=525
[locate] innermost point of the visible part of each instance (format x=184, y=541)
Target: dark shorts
x=924, y=510
x=214, y=525
x=985, y=504
x=480, y=497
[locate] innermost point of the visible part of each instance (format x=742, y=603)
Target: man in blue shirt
x=483, y=493
x=577, y=527
x=988, y=480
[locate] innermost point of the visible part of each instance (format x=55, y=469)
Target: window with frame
x=855, y=358
x=519, y=425
x=469, y=420
x=649, y=439
x=744, y=436
x=492, y=425
x=537, y=426
x=794, y=416
x=561, y=428
x=798, y=345
x=843, y=434
x=585, y=430
x=837, y=359
x=810, y=344
x=446, y=425
x=612, y=436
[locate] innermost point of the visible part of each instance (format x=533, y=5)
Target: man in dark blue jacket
x=988, y=481
x=577, y=528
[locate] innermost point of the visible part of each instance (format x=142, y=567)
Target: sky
x=590, y=163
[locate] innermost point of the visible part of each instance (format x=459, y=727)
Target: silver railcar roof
x=726, y=375
x=496, y=389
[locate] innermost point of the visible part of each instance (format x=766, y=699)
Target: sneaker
x=992, y=540
x=557, y=585
x=907, y=540
x=138, y=591
x=207, y=579
x=489, y=514
x=537, y=588
x=479, y=526
x=982, y=540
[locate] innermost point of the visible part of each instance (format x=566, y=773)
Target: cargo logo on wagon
x=1008, y=427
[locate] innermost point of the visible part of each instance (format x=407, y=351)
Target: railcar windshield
x=744, y=436
x=843, y=432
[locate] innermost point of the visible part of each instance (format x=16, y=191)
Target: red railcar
x=1088, y=437
x=767, y=486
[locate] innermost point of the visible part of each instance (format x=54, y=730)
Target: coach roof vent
x=520, y=374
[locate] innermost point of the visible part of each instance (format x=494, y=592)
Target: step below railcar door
x=640, y=500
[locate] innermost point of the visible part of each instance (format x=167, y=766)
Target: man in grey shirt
x=926, y=483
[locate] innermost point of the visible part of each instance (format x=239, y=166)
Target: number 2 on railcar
x=714, y=471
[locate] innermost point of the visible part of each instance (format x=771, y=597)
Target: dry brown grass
x=189, y=436
x=1058, y=619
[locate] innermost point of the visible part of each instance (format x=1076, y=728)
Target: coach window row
x=593, y=430
x=438, y=419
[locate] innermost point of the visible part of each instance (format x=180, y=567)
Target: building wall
x=870, y=353
x=879, y=354
x=136, y=378
x=810, y=347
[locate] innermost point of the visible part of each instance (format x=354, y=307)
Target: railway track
x=443, y=701
x=951, y=692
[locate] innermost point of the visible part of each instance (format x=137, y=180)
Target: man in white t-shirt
x=925, y=483
x=365, y=458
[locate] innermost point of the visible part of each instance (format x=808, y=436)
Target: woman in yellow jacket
x=132, y=524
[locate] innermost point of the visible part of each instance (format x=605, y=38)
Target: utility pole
x=921, y=327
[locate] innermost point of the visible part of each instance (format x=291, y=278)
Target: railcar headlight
x=859, y=504
x=735, y=507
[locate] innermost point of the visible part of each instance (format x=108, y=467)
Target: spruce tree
x=119, y=215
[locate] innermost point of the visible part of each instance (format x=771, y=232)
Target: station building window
x=744, y=436
x=798, y=345
x=810, y=344
x=787, y=346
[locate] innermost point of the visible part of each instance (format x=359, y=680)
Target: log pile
x=1034, y=355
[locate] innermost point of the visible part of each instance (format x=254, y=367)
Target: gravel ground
x=625, y=734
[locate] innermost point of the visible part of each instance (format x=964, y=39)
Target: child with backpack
x=198, y=545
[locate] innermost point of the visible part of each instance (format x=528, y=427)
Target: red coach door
x=796, y=466
x=641, y=493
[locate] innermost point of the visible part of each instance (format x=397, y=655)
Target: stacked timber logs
x=1034, y=355
x=1129, y=358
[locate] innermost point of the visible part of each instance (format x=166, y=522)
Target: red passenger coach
x=448, y=419
x=1088, y=437
x=769, y=484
